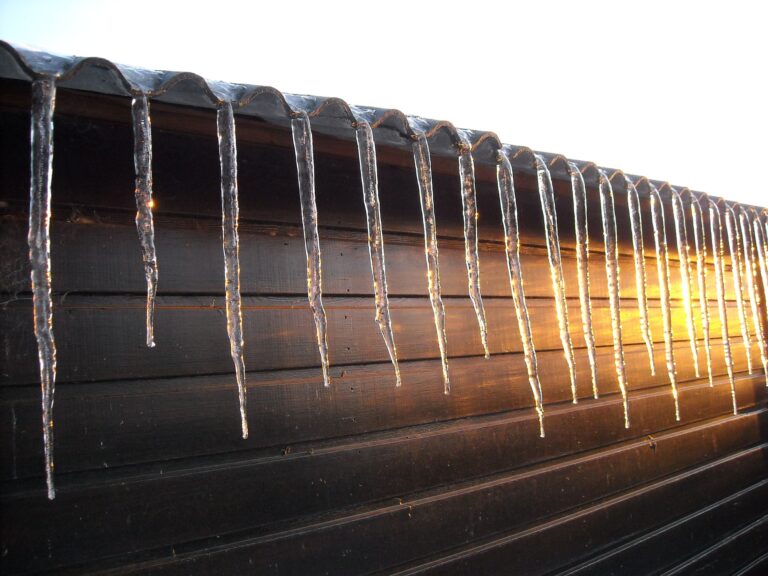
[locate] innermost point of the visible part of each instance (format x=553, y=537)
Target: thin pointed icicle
x=638, y=251
x=614, y=292
x=734, y=247
x=716, y=229
x=762, y=257
x=750, y=273
x=505, y=178
x=469, y=211
x=43, y=103
x=366, y=149
x=142, y=159
x=305, y=166
x=421, y=158
x=662, y=265
x=225, y=120
x=700, y=243
x=547, y=199
x=683, y=249
x=579, y=193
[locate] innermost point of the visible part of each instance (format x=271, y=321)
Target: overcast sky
x=673, y=90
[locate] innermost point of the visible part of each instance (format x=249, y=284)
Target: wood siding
x=362, y=477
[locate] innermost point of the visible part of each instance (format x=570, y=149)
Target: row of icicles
x=745, y=231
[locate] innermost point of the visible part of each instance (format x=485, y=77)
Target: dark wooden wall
x=360, y=478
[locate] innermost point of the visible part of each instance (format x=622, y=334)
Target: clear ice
x=142, y=159
x=750, y=271
x=505, y=178
x=662, y=265
x=423, y=162
x=638, y=251
x=681, y=236
x=231, y=244
x=305, y=167
x=469, y=211
x=547, y=198
x=737, y=267
x=366, y=149
x=614, y=294
x=700, y=243
x=43, y=103
x=579, y=193
x=716, y=229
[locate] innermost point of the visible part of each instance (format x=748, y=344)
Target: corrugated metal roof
x=329, y=115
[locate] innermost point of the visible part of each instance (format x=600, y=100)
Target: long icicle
x=142, y=159
x=305, y=166
x=470, y=214
x=681, y=236
x=662, y=265
x=700, y=244
x=750, y=273
x=225, y=121
x=638, y=251
x=579, y=193
x=734, y=248
x=547, y=198
x=366, y=149
x=716, y=229
x=614, y=293
x=423, y=162
x=505, y=179
x=43, y=104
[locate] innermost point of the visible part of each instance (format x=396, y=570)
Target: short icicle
x=43, y=104
x=735, y=250
x=761, y=246
x=505, y=178
x=547, y=199
x=470, y=214
x=305, y=166
x=700, y=244
x=423, y=162
x=638, y=252
x=750, y=271
x=662, y=265
x=231, y=245
x=716, y=230
x=366, y=149
x=142, y=159
x=579, y=193
x=681, y=235
x=614, y=293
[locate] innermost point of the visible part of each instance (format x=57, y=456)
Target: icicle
x=305, y=166
x=142, y=159
x=231, y=245
x=638, y=251
x=43, y=103
x=734, y=247
x=469, y=211
x=366, y=149
x=579, y=193
x=547, y=198
x=614, y=293
x=750, y=273
x=421, y=158
x=505, y=178
x=662, y=265
x=762, y=258
x=685, y=273
x=716, y=229
x=700, y=242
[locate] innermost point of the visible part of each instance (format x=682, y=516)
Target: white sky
x=673, y=90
